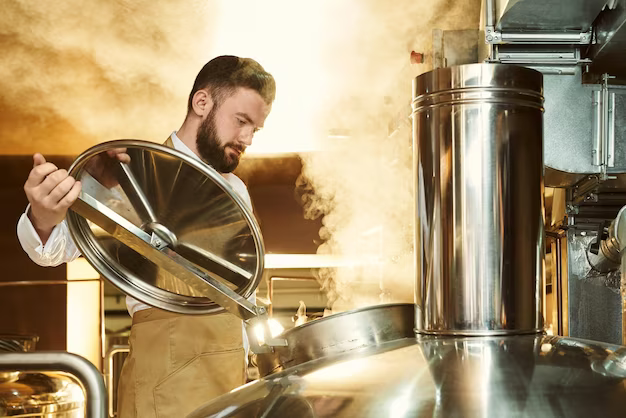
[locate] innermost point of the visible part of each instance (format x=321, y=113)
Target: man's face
x=227, y=130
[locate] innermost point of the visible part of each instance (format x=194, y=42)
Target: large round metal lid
x=164, y=227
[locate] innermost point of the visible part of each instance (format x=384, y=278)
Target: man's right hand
x=50, y=192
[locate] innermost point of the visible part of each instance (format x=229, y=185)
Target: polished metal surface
x=166, y=229
x=521, y=376
x=548, y=16
x=560, y=179
x=568, y=129
x=574, y=144
x=340, y=333
x=85, y=373
x=595, y=303
x=41, y=395
x=477, y=133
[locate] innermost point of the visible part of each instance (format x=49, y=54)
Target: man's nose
x=245, y=136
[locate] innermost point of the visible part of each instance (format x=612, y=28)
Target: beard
x=211, y=149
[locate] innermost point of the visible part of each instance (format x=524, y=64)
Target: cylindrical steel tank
x=479, y=200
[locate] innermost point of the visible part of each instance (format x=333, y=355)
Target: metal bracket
x=493, y=36
x=582, y=190
x=561, y=58
x=603, y=142
x=269, y=341
x=157, y=242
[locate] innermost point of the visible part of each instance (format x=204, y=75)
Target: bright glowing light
x=80, y=269
x=275, y=329
x=264, y=31
x=83, y=312
x=400, y=405
x=276, y=261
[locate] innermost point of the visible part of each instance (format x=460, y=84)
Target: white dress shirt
x=61, y=249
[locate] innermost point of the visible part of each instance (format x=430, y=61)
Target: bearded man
x=176, y=362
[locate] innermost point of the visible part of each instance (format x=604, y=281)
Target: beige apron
x=179, y=362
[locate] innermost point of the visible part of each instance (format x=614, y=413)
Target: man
x=176, y=362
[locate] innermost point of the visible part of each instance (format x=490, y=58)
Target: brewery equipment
x=479, y=347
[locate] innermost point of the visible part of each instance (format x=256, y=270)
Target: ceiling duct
x=607, y=52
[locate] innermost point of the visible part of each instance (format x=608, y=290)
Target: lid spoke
x=164, y=257
x=166, y=229
x=212, y=262
x=135, y=194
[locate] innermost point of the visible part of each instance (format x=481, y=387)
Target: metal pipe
x=490, y=9
x=557, y=280
x=597, y=149
x=559, y=287
x=545, y=38
x=85, y=372
x=116, y=349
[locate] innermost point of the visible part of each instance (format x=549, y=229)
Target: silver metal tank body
x=478, y=159
x=478, y=349
x=502, y=376
x=338, y=334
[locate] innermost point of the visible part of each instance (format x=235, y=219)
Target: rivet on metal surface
x=156, y=242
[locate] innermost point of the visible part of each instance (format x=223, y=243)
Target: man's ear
x=201, y=102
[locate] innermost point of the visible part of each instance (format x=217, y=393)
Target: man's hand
x=50, y=192
x=104, y=166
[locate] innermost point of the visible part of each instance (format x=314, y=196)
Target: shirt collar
x=179, y=145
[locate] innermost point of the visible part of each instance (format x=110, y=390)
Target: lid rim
x=83, y=238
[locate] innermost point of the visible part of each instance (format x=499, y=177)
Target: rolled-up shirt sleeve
x=58, y=249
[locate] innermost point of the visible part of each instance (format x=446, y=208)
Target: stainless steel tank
x=40, y=395
x=478, y=350
x=500, y=376
x=478, y=158
x=50, y=385
x=32, y=394
x=339, y=333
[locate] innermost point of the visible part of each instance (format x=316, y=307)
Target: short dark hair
x=223, y=74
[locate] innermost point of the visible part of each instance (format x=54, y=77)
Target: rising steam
x=362, y=180
x=75, y=74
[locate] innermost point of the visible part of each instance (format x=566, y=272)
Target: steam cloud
x=363, y=184
x=74, y=75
